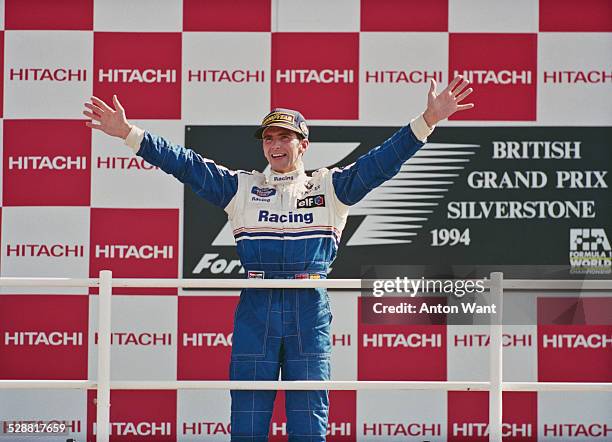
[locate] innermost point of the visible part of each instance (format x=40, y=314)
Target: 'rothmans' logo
x=278, y=116
x=263, y=192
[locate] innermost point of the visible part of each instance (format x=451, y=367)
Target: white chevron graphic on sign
x=389, y=209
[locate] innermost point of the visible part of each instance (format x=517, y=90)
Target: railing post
x=104, y=349
x=496, y=358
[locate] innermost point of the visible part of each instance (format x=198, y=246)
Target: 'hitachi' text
x=207, y=428
x=45, y=162
x=207, y=339
x=124, y=251
x=314, y=76
x=415, y=340
x=225, y=76
x=124, y=163
x=402, y=76
x=401, y=429
x=577, y=77
x=577, y=341
x=42, y=74
x=333, y=429
x=493, y=77
x=43, y=338
x=577, y=430
x=138, y=339
x=479, y=429
x=483, y=340
x=38, y=250
x=138, y=429
x=137, y=76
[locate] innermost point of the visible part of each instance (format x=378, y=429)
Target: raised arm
x=212, y=182
x=354, y=182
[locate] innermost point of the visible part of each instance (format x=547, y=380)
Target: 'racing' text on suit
x=286, y=226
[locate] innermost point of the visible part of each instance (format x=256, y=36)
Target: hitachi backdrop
x=521, y=179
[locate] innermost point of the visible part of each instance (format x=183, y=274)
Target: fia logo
x=590, y=251
x=589, y=240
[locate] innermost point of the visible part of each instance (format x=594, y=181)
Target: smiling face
x=283, y=148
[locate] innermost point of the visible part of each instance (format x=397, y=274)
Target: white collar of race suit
x=281, y=179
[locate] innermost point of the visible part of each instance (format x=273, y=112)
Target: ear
x=304, y=145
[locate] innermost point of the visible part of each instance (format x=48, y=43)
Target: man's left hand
x=447, y=102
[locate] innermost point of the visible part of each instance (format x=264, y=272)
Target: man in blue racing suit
x=286, y=225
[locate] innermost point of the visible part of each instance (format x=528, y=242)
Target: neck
x=297, y=166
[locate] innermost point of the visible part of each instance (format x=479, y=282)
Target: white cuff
x=420, y=128
x=134, y=138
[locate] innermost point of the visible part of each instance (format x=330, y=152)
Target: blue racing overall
x=286, y=226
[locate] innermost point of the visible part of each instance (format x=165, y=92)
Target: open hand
x=447, y=102
x=110, y=121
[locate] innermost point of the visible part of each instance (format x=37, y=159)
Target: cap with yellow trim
x=287, y=118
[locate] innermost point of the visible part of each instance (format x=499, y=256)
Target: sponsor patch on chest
x=311, y=201
x=310, y=187
x=263, y=192
x=268, y=217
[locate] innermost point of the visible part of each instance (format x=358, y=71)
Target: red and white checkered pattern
x=74, y=202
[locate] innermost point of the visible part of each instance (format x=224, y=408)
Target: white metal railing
x=355, y=284
x=496, y=360
x=308, y=385
x=104, y=385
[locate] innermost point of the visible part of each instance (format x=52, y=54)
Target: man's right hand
x=110, y=121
